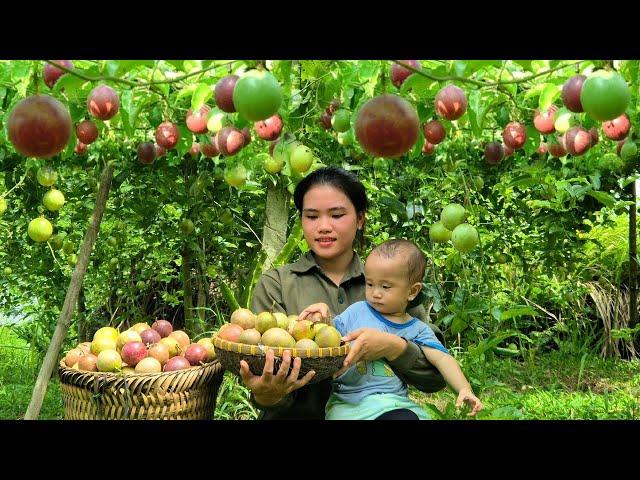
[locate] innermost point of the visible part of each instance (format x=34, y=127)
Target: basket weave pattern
x=324, y=361
x=180, y=395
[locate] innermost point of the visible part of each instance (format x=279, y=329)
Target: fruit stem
x=55, y=259
x=20, y=182
x=35, y=79
x=383, y=79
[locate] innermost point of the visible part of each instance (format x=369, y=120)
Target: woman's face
x=329, y=221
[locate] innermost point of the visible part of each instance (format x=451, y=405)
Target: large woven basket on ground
x=324, y=361
x=179, y=395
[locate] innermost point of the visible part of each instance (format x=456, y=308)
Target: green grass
x=18, y=373
x=233, y=400
x=551, y=386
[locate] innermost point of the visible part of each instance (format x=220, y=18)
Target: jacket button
x=340, y=299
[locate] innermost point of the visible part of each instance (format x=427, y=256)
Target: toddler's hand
x=317, y=312
x=466, y=396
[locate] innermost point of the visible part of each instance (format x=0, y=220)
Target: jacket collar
x=307, y=262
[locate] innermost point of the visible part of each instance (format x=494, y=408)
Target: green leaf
x=483, y=112
x=539, y=65
x=492, y=342
x=433, y=410
x=128, y=65
x=459, y=67
x=533, y=140
x=372, y=81
x=475, y=65
x=394, y=205
x=413, y=209
x=580, y=191
x=629, y=180
x=285, y=67
x=518, y=312
x=177, y=64
x=474, y=106
x=604, y=198
x=20, y=70
x=524, y=181
x=126, y=100
x=201, y=94
x=539, y=204
x=158, y=76
x=422, y=86
x=186, y=139
x=186, y=91
x=507, y=351
x=431, y=291
x=446, y=321
x=111, y=67
x=534, y=91
x=525, y=64
x=139, y=108
x=70, y=84
x=549, y=95
x=192, y=65
x=458, y=325
x=416, y=151
x=295, y=99
x=634, y=69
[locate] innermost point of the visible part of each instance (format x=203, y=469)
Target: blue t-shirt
x=367, y=378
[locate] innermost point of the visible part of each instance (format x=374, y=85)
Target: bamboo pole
x=71, y=299
x=633, y=262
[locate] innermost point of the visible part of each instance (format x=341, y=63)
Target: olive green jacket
x=293, y=287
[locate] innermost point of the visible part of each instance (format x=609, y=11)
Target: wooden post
x=633, y=262
x=71, y=299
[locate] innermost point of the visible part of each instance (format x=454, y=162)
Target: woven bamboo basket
x=324, y=361
x=188, y=394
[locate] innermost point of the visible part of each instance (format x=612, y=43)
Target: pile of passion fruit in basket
x=140, y=349
x=279, y=330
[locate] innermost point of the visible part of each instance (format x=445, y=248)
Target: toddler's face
x=387, y=285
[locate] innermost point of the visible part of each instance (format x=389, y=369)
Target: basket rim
x=114, y=375
x=260, y=350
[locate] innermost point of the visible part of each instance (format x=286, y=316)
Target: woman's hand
x=268, y=389
x=370, y=344
x=466, y=396
x=317, y=312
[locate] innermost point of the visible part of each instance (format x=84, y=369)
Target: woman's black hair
x=341, y=179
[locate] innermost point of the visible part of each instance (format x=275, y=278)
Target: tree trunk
x=274, y=234
x=71, y=299
x=274, y=238
x=202, y=303
x=187, y=289
x=633, y=263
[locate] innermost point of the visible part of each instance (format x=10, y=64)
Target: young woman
x=332, y=203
